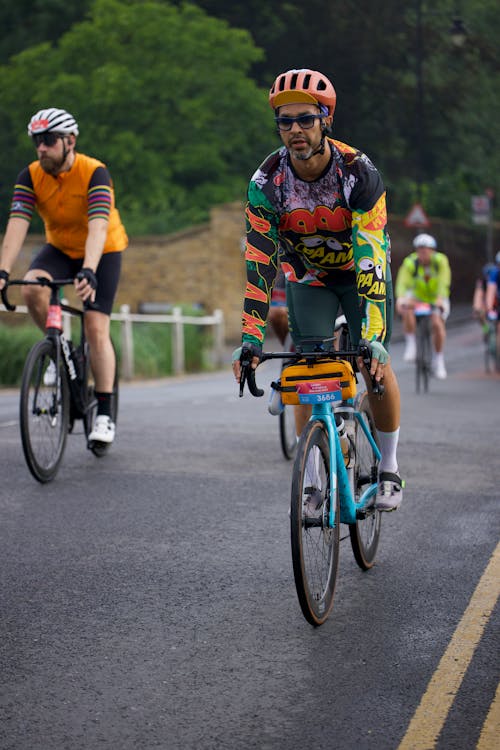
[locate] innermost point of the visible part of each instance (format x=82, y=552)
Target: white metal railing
x=176, y=319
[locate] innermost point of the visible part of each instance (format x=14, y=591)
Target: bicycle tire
x=99, y=449
x=365, y=533
x=315, y=548
x=288, y=435
x=44, y=413
x=423, y=354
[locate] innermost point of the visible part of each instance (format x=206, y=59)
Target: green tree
x=162, y=95
x=371, y=51
x=28, y=22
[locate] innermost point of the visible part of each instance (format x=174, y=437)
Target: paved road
x=147, y=599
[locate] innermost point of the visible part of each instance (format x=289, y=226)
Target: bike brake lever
x=248, y=376
x=8, y=306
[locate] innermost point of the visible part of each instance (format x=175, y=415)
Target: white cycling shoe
x=439, y=368
x=390, y=491
x=410, y=353
x=104, y=430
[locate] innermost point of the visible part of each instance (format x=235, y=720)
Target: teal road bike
x=335, y=471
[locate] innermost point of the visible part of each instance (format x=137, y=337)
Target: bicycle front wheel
x=315, y=547
x=288, y=435
x=44, y=411
x=365, y=532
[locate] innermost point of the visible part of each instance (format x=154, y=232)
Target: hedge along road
x=148, y=598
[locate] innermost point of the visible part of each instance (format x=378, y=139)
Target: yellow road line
x=490, y=732
x=430, y=716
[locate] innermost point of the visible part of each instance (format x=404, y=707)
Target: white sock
x=388, y=442
x=410, y=338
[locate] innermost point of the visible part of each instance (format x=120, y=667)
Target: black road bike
x=57, y=387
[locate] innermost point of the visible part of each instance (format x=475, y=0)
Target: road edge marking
x=430, y=716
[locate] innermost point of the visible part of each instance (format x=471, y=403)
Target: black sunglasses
x=48, y=139
x=303, y=121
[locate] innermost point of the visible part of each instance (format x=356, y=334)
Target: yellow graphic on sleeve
x=371, y=279
x=373, y=324
x=373, y=220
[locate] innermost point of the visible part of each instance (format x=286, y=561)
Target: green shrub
x=15, y=343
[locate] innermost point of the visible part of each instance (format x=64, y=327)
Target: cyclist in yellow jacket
x=85, y=237
x=424, y=276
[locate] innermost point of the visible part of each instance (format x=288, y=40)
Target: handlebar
x=247, y=376
x=53, y=284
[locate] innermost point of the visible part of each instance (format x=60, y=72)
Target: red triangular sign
x=417, y=217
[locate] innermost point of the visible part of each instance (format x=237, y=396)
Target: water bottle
x=275, y=405
x=344, y=440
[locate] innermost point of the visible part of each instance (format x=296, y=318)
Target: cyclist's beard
x=304, y=155
x=50, y=165
x=301, y=155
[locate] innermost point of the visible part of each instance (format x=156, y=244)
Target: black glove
x=5, y=275
x=89, y=275
x=249, y=351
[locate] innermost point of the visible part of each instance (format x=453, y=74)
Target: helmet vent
x=321, y=86
x=293, y=82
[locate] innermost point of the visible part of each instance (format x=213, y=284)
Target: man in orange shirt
x=85, y=237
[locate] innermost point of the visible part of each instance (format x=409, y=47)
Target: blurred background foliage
x=172, y=96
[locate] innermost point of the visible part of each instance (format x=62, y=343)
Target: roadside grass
x=152, y=343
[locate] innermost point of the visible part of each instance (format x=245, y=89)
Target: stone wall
x=205, y=264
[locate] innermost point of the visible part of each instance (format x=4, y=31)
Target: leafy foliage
x=173, y=95
x=162, y=95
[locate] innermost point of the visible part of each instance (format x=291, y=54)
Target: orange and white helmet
x=303, y=85
x=52, y=120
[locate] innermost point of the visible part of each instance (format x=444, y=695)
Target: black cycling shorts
x=61, y=266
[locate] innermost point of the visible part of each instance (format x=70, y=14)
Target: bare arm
x=491, y=293
x=15, y=234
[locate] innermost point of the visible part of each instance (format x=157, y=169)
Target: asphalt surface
x=147, y=598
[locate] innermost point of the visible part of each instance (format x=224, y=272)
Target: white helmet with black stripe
x=52, y=120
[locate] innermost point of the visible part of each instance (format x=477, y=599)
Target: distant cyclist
x=424, y=276
x=492, y=288
x=492, y=299
x=479, y=310
x=317, y=206
x=74, y=195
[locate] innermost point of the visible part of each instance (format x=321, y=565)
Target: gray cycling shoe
x=390, y=491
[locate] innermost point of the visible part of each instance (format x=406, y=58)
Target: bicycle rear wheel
x=44, y=413
x=424, y=353
x=365, y=532
x=288, y=435
x=315, y=547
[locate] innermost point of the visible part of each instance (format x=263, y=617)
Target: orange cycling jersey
x=68, y=202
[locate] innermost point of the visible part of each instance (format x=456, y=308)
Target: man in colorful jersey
x=424, y=276
x=73, y=194
x=318, y=206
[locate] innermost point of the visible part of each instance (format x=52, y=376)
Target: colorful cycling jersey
x=68, y=202
x=424, y=283
x=326, y=232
